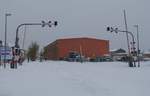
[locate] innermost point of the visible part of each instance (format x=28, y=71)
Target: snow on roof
x=112, y=50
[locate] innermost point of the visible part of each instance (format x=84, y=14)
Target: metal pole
x=42, y=24
x=128, y=32
x=0, y=52
x=7, y=14
x=17, y=30
x=5, y=40
x=0, y=55
x=138, y=46
x=138, y=49
x=24, y=36
x=133, y=47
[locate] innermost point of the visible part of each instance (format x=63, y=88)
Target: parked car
x=74, y=57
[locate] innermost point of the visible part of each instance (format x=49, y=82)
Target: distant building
x=87, y=47
x=118, y=54
x=146, y=54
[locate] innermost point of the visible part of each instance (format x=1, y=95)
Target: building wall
x=86, y=46
x=146, y=55
x=52, y=51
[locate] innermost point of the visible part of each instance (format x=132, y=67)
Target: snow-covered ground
x=58, y=78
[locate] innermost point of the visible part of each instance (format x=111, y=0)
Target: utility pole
x=126, y=29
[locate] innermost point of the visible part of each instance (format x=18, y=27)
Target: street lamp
x=138, y=49
x=116, y=30
x=6, y=15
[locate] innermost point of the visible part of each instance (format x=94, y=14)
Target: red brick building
x=87, y=47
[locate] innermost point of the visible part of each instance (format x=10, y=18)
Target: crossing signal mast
x=43, y=24
x=131, y=59
x=17, y=49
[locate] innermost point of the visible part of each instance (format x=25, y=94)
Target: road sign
x=8, y=53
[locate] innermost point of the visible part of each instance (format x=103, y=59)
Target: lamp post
x=138, y=49
x=133, y=44
x=6, y=15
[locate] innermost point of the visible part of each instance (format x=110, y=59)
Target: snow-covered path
x=54, y=78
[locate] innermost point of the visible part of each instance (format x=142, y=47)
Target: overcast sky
x=77, y=18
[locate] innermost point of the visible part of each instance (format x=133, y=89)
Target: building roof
x=118, y=51
x=82, y=38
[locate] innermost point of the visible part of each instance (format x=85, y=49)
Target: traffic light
x=17, y=51
x=49, y=23
x=55, y=23
x=116, y=30
x=43, y=23
x=111, y=29
x=108, y=28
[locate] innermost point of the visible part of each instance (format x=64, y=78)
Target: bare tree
x=33, y=51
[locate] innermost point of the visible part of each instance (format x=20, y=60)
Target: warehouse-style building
x=87, y=47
